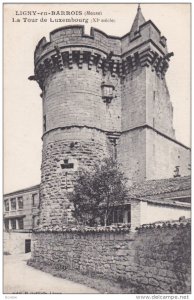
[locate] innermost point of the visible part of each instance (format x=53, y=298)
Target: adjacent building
x=155, y=201
x=21, y=215
x=21, y=209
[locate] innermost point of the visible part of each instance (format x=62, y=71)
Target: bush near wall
x=153, y=260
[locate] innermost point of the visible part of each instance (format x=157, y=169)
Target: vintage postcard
x=97, y=158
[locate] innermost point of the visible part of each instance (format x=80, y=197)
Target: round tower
x=79, y=78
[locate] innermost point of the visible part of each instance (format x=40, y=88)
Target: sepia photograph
x=97, y=148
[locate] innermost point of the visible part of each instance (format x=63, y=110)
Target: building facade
x=104, y=96
x=21, y=216
x=21, y=209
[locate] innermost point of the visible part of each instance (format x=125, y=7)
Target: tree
x=97, y=190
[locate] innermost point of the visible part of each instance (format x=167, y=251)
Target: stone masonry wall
x=76, y=146
x=153, y=260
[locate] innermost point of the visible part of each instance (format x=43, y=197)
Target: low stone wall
x=154, y=260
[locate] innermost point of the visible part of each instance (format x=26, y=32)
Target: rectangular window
x=27, y=245
x=13, y=223
x=34, y=199
x=20, y=202
x=6, y=223
x=120, y=215
x=67, y=165
x=21, y=224
x=129, y=215
x=13, y=203
x=6, y=203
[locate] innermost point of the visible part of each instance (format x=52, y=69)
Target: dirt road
x=20, y=278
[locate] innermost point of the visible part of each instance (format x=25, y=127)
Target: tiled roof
x=182, y=222
x=161, y=186
x=116, y=228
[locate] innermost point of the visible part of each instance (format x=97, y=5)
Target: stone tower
x=103, y=95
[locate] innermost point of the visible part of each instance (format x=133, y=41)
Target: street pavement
x=21, y=278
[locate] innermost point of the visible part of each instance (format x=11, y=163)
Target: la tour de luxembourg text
x=29, y=16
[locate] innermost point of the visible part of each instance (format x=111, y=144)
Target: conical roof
x=139, y=20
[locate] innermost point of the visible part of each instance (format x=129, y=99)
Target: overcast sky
x=22, y=103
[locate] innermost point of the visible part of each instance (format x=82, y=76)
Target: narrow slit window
x=44, y=123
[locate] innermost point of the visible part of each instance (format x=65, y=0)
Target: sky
x=22, y=102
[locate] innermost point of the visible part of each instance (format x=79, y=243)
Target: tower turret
x=139, y=20
x=80, y=82
x=145, y=100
